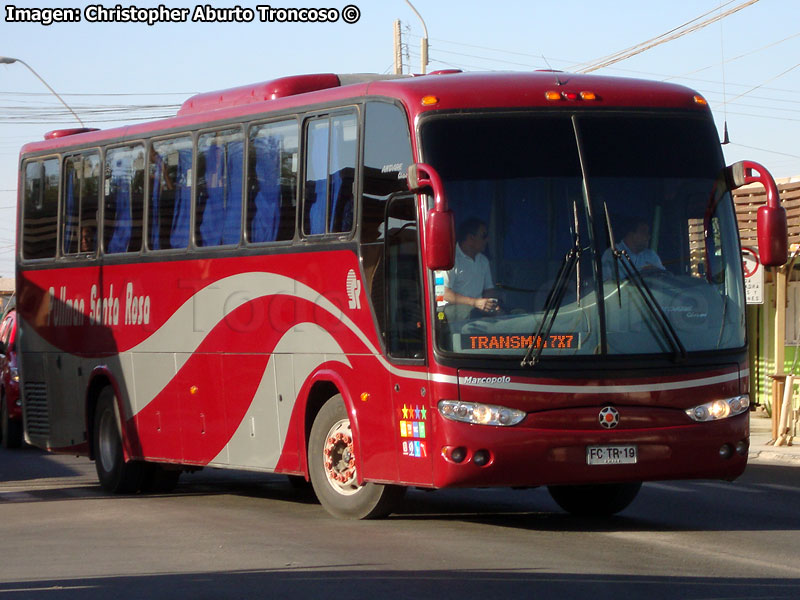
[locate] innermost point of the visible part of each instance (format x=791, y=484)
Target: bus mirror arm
x=773, y=237
x=439, y=224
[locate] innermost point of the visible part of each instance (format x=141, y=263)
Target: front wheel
x=116, y=476
x=332, y=466
x=601, y=500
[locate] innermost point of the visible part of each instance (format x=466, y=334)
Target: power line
x=765, y=150
x=767, y=81
x=663, y=77
x=725, y=62
x=668, y=36
x=101, y=95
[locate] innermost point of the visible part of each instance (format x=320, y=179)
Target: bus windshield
x=607, y=234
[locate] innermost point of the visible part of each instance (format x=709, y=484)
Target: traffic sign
x=753, y=276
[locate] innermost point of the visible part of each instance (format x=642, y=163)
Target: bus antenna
x=552, y=70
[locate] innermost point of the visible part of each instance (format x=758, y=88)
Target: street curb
x=773, y=457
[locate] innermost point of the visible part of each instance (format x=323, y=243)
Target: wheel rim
x=108, y=444
x=339, y=459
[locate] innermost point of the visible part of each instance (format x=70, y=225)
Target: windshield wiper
x=551, y=306
x=635, y=276
x=613, y=249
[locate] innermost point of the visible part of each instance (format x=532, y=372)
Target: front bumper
x=529, y=456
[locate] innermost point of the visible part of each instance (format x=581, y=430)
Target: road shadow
x=28, y=462
x=754, y=503
x=331, y=581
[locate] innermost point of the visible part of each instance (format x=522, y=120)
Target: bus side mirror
x=440, y=235
x=773, y=234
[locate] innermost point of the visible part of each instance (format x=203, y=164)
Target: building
x=6, y=291
x=762, y=317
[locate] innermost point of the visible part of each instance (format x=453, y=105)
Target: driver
x=636, y=243
x=469, y=282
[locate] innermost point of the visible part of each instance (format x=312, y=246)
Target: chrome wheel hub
x=339, y=459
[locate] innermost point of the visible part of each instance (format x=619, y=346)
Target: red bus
x=267, y=281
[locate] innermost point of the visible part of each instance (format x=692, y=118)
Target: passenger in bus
x=636, y=243
x=87, y=238
x=468, y=286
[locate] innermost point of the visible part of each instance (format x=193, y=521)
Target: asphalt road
x=243, y=535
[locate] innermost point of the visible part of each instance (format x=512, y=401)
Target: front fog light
x=719, y=409
x=480, y=414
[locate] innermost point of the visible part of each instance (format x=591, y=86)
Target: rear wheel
x=599, y=500
x=332, y=466
x=115, y=475
x=10, y=430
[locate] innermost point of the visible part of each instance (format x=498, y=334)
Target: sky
x=746, y=63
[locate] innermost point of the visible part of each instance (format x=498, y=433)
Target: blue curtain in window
x=71, y=212
x=155, y=201
x=212, y=220
x=266, y=217
x=336, y=185
x=232, y=224
x=179, y=233
x=318, y=168
x=121, y=185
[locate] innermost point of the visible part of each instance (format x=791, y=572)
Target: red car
x=10, y=401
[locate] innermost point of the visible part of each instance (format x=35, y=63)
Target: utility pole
x=423, y=48
x=398, y=48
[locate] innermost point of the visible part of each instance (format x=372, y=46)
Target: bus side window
x=403, y=282
x=40, y=209
x=79, y=204
x=331, y=144
x=170, y=166
x=387, y=154
x=272, y=182
x=220, y=168
x=124, y=199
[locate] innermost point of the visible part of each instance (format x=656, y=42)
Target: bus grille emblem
x=353, y=290
x=609, y=417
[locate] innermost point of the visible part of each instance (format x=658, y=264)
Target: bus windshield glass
x=607, y=234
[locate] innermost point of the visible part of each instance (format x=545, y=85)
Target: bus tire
x=115, y=474
x=331, y=465
x=10, y=431
x=600, y=500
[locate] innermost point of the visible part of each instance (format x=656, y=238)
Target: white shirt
x=647, y=258
x=468, y=277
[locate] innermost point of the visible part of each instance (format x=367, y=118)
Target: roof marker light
x=429, y=100
x=588, y=96
x=552, y=95
x=698, y=99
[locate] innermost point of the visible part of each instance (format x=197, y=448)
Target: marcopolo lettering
x=485, y=380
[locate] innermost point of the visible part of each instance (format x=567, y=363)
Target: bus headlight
x=480, y=414
x=719, y=409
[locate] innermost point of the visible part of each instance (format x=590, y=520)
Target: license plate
x=611, y=455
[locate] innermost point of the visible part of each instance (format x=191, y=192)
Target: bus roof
x=441, y=90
